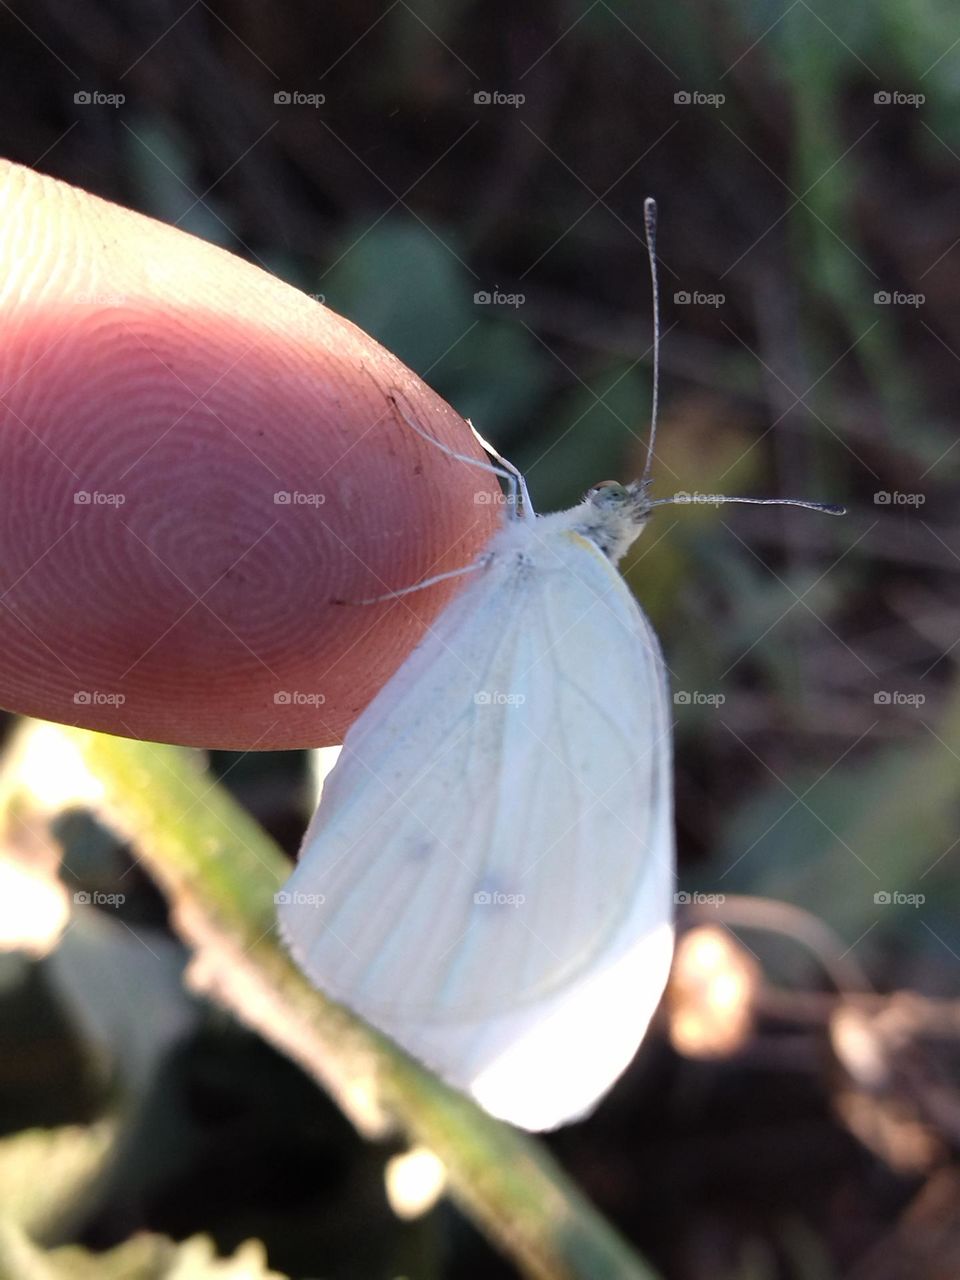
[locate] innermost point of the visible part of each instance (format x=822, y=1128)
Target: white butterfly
x=489, y=876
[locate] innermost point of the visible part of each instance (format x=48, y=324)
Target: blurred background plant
x=469, y=191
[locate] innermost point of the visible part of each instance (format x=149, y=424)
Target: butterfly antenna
x=829, y=508
x=718, y=499
x=650, y=229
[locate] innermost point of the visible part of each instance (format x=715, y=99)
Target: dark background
x=826, y=778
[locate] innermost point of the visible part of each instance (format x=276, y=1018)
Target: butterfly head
x=614, y=515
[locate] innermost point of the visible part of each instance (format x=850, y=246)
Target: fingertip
x=200, y=466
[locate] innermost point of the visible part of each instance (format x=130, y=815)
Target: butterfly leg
x=515, y=473
x=481, y=563
x=507, y=472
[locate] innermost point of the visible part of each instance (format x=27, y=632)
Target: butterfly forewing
x=495, y=814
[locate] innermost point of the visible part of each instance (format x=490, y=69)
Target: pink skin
x=182, y=388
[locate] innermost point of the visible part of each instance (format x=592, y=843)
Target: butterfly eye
x=608, y=490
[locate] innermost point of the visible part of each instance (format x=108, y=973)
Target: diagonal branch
x=220, y=872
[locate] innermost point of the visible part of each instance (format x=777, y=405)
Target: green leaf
x=411, y=289
x=850, y=828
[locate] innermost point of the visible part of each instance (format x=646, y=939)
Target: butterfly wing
x=489, y=876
